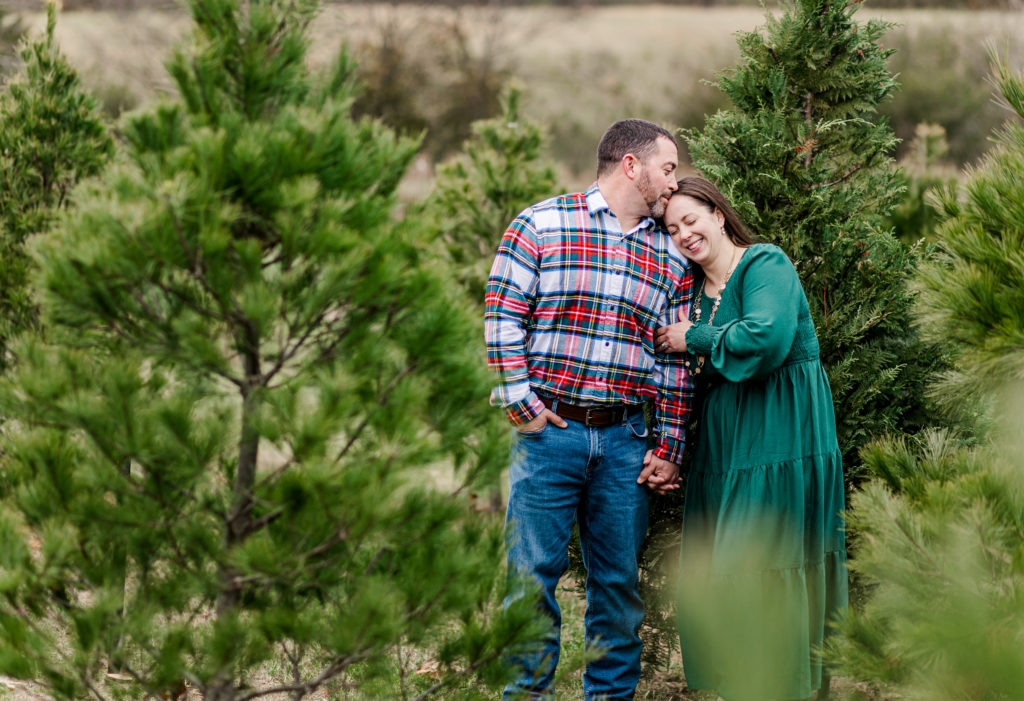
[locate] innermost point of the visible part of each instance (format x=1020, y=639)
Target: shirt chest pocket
x=645, y=299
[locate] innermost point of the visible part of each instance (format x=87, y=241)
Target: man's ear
x=630, y=165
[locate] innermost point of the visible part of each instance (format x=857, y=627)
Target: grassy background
x=581, y=68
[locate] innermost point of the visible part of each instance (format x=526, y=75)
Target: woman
x=763, y=553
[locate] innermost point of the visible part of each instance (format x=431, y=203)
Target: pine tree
x=500, y=173
x=807, y=162
x=923, y=172
x=942, y=525
x=233, y=312
x=51, y=136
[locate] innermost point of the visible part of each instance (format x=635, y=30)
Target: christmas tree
x=942, y=525
x=51, y=136
x=233, y=313
x=923, y=171
x=500, y=173
x=807, y=162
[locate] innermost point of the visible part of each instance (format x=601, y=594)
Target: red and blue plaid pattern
x=571, y=308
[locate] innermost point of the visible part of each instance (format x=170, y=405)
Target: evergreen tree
x=922, y=173
x=807, y=162
x=942, y=525
x=51, y=136
x=233, y=311
x=478, y=193
x=501, y=173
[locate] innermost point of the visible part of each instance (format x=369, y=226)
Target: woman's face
x=695, y=228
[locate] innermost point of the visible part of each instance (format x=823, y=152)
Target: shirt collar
x=596, y=203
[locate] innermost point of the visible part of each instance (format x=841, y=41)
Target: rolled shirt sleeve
x=508, y=301
x=675, y=399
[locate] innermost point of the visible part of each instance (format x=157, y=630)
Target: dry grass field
x=581, y=68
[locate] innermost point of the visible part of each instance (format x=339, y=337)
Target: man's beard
x=652, y=198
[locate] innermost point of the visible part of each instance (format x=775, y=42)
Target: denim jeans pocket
x=533, y=434
x=637, y=426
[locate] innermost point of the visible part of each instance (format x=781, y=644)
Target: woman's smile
x=690, y=224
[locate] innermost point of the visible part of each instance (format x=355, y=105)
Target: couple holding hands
x=648, y=289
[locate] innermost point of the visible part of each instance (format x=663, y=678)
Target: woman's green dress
x=763, y=548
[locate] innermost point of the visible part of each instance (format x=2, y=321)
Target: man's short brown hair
x=636, y=136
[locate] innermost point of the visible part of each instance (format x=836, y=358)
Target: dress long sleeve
x=757, y=342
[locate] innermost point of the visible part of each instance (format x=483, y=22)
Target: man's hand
x=540, y=420
x=660, y=475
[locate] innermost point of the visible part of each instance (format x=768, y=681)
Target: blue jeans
x=586, y=475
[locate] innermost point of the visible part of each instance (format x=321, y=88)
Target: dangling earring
x=723, y=231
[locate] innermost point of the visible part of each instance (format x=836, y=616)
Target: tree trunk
x=240, y=518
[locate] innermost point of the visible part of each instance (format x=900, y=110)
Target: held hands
x=660, y=475
x=540, y=420
x=672, y=339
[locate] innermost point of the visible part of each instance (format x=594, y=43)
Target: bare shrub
x=435, y=75
x=941, y=68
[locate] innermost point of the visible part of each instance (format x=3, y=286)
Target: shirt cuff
x=524, y=410
x=670, y=449
x=700, y=338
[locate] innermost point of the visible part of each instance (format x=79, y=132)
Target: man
x=579, y=284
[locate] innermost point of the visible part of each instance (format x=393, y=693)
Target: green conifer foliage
x=971, y=295
x=501, y=173
x=233, y=311
x=922, y=172
x=51, y=136
x=942, y=526
x=807, y=161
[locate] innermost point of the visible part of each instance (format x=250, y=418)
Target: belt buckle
x=586, y=417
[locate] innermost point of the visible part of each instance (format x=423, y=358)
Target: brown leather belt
x=594, y=416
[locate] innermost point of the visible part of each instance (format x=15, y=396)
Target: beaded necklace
x=714, y=308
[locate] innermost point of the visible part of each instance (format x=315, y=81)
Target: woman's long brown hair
x=705, y=192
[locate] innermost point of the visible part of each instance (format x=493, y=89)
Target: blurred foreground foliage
x=940, y=528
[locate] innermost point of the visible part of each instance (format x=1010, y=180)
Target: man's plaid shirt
x=571, y=308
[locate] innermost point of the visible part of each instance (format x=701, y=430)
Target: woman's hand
x=672, y=339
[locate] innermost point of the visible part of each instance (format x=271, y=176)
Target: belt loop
x=554, y=405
